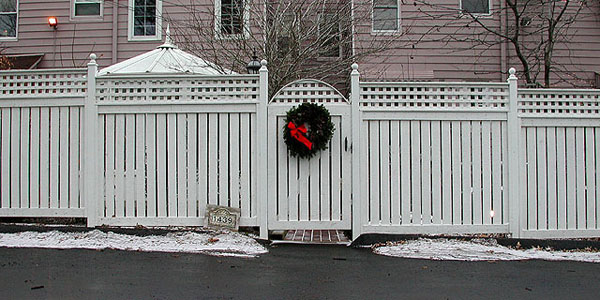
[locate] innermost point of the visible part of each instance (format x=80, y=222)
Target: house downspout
x=503, y=46
x=115, y=19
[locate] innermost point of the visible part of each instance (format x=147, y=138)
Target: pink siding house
x=430, y=44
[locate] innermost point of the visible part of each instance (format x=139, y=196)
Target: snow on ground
x=217, y=243
x=475, y=250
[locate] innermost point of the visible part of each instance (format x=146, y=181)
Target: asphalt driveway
x=287, y=272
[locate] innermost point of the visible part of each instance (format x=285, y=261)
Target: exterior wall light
x=53, y=22
x=254, y=65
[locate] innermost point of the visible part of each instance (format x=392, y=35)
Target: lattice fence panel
x=175, y=88
x=434, y=97
x=47, y=83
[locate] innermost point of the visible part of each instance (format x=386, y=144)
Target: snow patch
x=475, y=250
x=219, y=244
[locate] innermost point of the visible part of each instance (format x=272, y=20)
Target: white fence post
x=357, y=200
x=91, y=180
x=261, y=148
x=513, y=159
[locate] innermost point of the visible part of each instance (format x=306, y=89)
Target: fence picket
x=552, y=187
x=203, y=163
x=374, y=179
x=313, y=185
x=405, y=175
x=192, y=164
x=384, y=162
x=161, y=165
x=325, y=184
x=213, y=159
x=25, y=159
x=571, y=176
x=395, y=189
x=580, y=177
x=486, y=170
x=182, y=166
x=5, y=160
x=467, y=185
x=245, y=174
x=15, y=159
x=456, y=147
x=336, y=174
x=34, y=175
x=120, y=150
x=542, y=195
x=172, y=177
x=426, y=169
x=109, y=147
x=151, y=166
x=54, y=156
x=223, y=157
x=234, y=160
x=496, y=173
x=284, y=196
x=130, y=165
x=590, y=167
x=415, y=145
x=476, y=173
x=447, y=178
x=140, y=172
x=561, y=180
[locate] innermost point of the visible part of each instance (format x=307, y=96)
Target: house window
x=475, y=6
x=145, y=20
x=87, y=8
x=8, y=19
x=386, y=15
x=329, y=34
x=230, y=18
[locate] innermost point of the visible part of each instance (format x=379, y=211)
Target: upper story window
x=329, y=34
x=8, y=19
x=475, y=6
x=231, y=17
x=87, y=8
x=386, y=15
x=145, y=20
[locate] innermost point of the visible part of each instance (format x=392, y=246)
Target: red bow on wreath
x=297, y=132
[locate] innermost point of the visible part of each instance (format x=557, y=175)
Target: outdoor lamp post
x=253, y=66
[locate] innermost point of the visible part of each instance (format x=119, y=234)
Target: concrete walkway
x=288, y=271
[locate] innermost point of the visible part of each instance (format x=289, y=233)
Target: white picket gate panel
x=40, y=151
x=561, y=162
x=174, y=145
x=309, y=193
x=434, y=157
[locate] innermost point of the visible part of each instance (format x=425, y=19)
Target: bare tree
x=298, y=38
x=530, y=29
x=5, y=63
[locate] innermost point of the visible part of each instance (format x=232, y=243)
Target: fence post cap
x=512, y=73
x=354, y=66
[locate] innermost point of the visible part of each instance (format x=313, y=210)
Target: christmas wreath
x=307, y=130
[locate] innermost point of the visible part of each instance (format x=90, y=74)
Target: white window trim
x=157, y=36
x=100, y=17
x=488, y=14
x=398, y=18
x=245, y=29
x=16, y=37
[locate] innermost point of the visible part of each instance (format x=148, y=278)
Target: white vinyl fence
x=40, y=143
x=447, y=158
x=425, y=158
x=560, y=169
